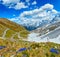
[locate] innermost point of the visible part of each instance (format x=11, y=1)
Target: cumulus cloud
x=16, y=4
x=41, y=12
x=20, y=5
x=54, y=11
x=45, y=12
x=47, y=6
x=7, y=2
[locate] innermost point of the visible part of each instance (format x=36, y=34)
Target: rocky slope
x=48, y=28
x=49, y=33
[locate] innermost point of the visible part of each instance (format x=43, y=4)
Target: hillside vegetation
x=9, y=29
x=32, y=49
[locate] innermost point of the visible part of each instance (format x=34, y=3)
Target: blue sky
x=13, y=8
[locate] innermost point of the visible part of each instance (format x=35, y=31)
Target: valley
x=29, y=28
x=16, y=41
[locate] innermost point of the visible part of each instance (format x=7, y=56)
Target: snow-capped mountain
x=47, y=28
x=51, y=36
x=32, y=24
x=47, y=33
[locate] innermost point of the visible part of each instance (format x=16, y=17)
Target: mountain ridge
x=9, y=29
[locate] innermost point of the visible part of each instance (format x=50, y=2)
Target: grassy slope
x=36, y=49
x=13, y=28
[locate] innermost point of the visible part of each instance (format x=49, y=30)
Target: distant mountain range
x=32, y=25
x=48, y=33
x=12, y=30
x=47, y=28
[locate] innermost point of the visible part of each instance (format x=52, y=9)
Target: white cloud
x=7, y=2
x=46, y=12
x=47, y=6
x=34, y=3
x=16, y=4
x=41, y=12
x=20, y=5
x=54, y=11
